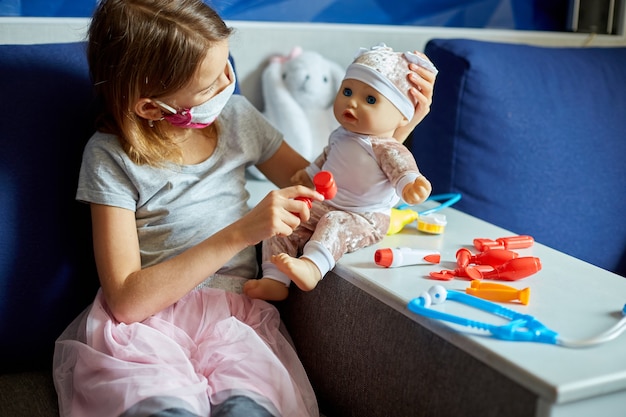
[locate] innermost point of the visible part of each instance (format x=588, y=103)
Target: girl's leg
x=240, y=406
x=235, y=406
x=193, y=356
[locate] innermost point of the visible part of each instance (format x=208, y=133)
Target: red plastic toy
x=493, y=261
x=394, y=257
x=470, y=266
x=510, y=242
x=512, y=270
x=490, y=257
x=324, y=184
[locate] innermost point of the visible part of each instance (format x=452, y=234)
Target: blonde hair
x=147, y=49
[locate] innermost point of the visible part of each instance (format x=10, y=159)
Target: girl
x=169, y=332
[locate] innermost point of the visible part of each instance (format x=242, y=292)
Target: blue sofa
x=534, y=139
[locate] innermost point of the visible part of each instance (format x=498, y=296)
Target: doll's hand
x=302, y=178
x=278, y=214
x=417, y=192
x=422, y=92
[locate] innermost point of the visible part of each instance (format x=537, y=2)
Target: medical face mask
x=204, y=114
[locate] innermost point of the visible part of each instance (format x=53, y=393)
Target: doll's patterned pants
x=336, y=231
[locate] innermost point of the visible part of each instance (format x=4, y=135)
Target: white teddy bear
x=298, y=93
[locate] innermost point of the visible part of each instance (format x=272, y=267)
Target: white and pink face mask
x=203, y=115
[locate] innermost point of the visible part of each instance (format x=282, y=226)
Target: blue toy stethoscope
x=521, y=327
x=446, y=201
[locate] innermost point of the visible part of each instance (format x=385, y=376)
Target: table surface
x=569, y=296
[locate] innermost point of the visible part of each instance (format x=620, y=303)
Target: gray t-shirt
x=181, y=205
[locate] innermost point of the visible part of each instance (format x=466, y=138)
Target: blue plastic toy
x=522, y=327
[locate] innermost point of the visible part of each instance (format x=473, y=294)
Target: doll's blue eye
x=371, y=100
x=347, y=92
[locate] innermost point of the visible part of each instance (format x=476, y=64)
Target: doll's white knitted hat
x=386, y=71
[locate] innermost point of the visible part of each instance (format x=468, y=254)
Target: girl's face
x=361, y=109
x=211, y=78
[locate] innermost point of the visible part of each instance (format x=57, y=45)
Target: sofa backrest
x=47, y=273
x=534, y=138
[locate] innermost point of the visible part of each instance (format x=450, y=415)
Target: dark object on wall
x=595, y=16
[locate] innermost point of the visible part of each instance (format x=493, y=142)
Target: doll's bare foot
x=266, y=289
x=301, y=271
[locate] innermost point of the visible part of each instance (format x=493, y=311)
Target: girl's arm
x=134, y=294
x=283, y=165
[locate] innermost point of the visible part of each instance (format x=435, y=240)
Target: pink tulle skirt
x=208, y=346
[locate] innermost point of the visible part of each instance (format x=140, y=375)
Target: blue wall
x=55, y=8
x=508, y=14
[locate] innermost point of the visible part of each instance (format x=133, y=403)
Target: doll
x=371, y=168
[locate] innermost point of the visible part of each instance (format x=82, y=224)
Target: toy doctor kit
x=509, y=242
x=498, y=292
x=499, y=264
x=428, y=221
x=521, y=327
x=391, y=258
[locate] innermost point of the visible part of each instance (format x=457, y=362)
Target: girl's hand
x=417, y=192
x=422, y=92
x=278, y=214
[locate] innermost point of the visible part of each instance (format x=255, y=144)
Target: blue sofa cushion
x=533, y=138
x=46, y=268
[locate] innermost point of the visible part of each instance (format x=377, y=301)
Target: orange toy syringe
x=498, y=292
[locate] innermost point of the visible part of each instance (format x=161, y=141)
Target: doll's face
x=361, y=109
